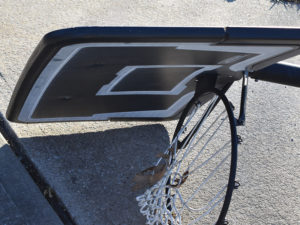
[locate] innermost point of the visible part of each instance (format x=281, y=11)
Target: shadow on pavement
x=287, y=4
x=21, y=201
x=92, y=172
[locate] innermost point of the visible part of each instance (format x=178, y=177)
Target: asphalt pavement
x=90, y=164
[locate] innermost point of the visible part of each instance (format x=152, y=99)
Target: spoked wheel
x=199, y=174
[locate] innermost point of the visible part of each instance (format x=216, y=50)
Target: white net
x=189, y=182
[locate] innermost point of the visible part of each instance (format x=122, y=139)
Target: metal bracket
x=242, y=116
x=236, y=184
x=239, y=139
x=225, y=222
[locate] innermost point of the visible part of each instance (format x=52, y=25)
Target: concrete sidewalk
x=90, y=164
x=21, y=201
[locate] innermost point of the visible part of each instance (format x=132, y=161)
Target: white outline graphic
x=122, y=74
x=179, y=104
x=66, y=53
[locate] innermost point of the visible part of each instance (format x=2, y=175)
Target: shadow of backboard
x=92, y=172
